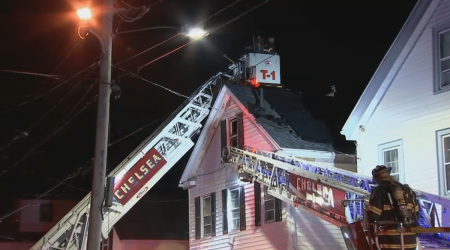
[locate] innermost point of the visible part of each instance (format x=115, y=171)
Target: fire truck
x=335, y=195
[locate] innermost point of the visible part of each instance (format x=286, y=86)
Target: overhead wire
x=27, y=132
x=48, y=91
x=217, y=28
x=139, y=129
x=48, y=137
x=73, y=175
x=172, y=37
x=145, y=80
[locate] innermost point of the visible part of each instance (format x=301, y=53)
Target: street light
x=197, y=33
x=84, y=13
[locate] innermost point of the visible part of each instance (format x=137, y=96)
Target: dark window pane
x=269, y=205
x=269, y=215
x=445, y=44
x=233, y=127
x=445, y=81
x=447, y=176
x=447, y=149
x=207, y=230
x=207, y=220
x=233, y=142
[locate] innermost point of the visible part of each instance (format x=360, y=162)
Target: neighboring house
x=136, y=230
x=225, y=213
x=402, y=119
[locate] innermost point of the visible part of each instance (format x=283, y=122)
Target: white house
x=225, y=213
x=402, y=119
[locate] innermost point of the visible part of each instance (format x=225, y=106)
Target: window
x=46, y=212
x=232, y=132
x=442, y=58
x=391, y=155
x=443, y=149
x=234, y=209
x=269, y=206
x=206, y=216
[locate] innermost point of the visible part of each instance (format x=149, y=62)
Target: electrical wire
x=31, y=73
x=41, y=118
x=217, y=28
x=139, y=129
x=142, y=52
x=172, y=37
x=47, y=138
x=145, y=80
x=73, y=175
x=48, y=91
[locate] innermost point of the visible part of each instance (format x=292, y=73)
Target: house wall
x=308, y=232
x=29, y=216
x=16, y=245
x=411, y=112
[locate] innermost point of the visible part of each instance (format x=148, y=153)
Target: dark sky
x=320, y=43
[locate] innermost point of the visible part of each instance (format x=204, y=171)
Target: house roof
x=391, y=64
x=280, y=129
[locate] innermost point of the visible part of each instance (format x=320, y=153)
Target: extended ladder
x=138, y=172
x=308, y=184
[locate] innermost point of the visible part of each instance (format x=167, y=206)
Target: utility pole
x=101, y=138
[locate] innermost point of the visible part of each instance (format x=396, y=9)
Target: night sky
x=321, y=43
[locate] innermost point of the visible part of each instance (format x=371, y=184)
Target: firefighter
x=393, y=201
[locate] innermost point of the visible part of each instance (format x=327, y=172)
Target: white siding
x=212, y=176
x=411, y=112
x=309, y=232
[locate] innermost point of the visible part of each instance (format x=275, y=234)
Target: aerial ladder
x=136, y=175
x=335, y=195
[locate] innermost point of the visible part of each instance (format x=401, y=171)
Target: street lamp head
x=84, y=13
x=197, y=33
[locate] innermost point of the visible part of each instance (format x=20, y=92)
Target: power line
x=26, y=133
x=42, y=195
x=31, y=73
x=219, y=27
x=31, y=151
x=139, y=129
x=172, y=37
x=145, y=80
x=48, y=91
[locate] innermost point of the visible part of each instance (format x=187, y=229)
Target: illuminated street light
x=197, y=33
x=84, y=14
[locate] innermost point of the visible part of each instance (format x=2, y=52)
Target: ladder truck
x=136, y=175
x=335, y=195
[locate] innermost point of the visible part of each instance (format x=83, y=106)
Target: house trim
x=392, y=62
x=397, y=144
x=437, y=88
x=206, y=136
x=440, y=160
x=208, y=131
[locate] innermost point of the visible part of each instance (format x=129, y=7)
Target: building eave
x=391, y=63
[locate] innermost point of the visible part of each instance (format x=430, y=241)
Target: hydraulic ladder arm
x=138, y=172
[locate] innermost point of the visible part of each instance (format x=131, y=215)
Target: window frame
x=397, y=144
x=230, y=134
x=440, y=135
x=231, y=227
x=202, y=216
x=437, y=85
x=263, y=206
